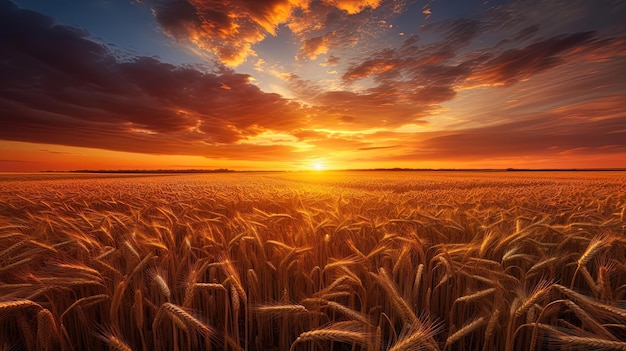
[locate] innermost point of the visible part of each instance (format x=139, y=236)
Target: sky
x=305, y=84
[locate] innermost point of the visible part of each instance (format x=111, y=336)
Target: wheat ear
x=331, y=335
x=117, y=344
x=406, y=313
x=465, y=330
x=189, y=320
x=17, y=304
x=598, y=344
x=47, y=330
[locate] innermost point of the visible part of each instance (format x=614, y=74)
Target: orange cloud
x=229, y=29
x=315, y=46
x=325, y=28
x=226, y=28
x=353, y=6
x=370, y=67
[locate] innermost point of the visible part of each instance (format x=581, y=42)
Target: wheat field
x=314, y=261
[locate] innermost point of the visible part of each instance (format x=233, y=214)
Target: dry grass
x=314, y=261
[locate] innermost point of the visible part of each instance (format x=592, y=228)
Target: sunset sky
x=288, y=84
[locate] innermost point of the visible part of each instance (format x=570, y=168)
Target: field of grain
x=314, y=261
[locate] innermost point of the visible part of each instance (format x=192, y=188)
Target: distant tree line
x=149, y=171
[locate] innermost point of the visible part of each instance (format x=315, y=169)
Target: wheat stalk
x=589, y=302
x=84, y=301
x=588, y=320
x=405, y=312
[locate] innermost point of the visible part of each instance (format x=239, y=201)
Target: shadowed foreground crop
x=313, y=261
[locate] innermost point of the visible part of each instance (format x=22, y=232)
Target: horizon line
x=393, y=169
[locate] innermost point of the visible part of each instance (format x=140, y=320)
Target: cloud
x=433, y=74
x=346, y=118
x=427, y=12
x=304, y=89
x=337, y=27
x=590, y=122
x=376, y=148
x=377, y=67
x=411, y=83
x=84, y=96
x=514, y=65
x=458, y=33
x=353, y=6
x=227, y=29
x=56, y=152
x=332, y=61
x=526, y=33
x=307, y=134
x=230, y=29
x=378, y=108
x=543, y=135
x=316, y=46
x=180, y=19
x=18, y=161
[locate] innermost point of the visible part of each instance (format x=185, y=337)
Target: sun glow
x=318, y=166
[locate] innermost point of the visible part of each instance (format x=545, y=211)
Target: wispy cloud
x=56, y=152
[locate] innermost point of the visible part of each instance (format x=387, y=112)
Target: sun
x=318, y=166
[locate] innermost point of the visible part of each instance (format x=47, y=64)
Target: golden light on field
x=376, y=261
